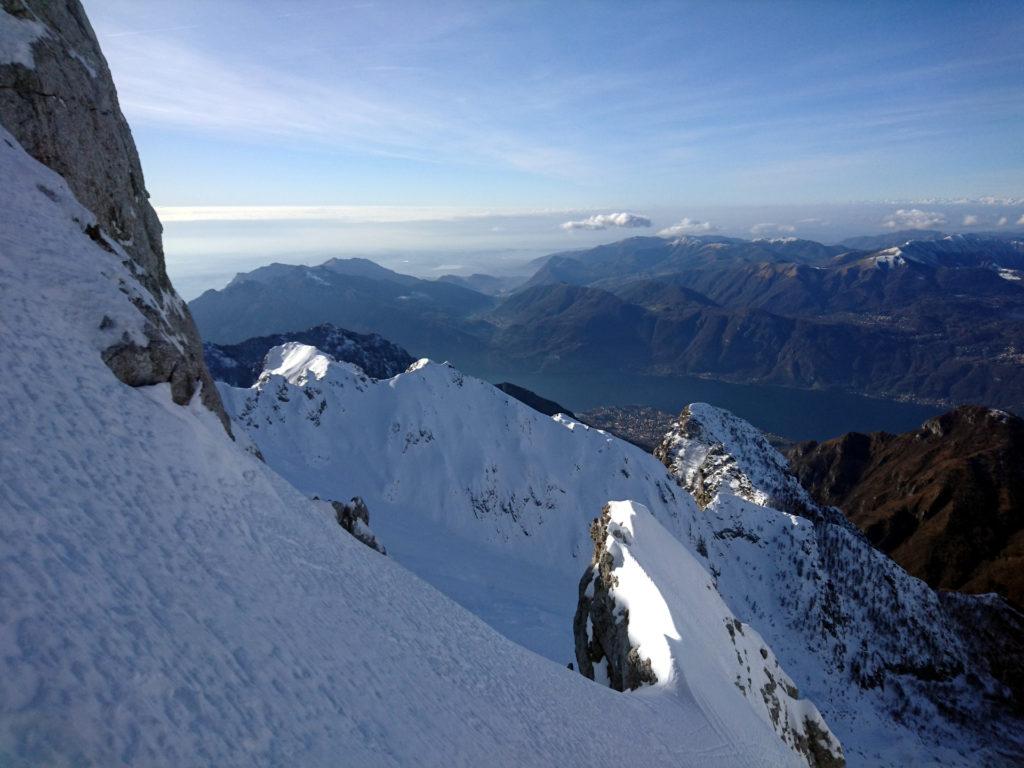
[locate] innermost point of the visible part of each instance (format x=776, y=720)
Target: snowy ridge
x=865, y=641
x=678, y=623
x=484, y=497
x=452, y=466
x=241, y=364
x=166, y=599
x=710, y=451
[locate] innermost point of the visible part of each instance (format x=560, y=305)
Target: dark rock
x=608, y=637
x=354, y=517
x=946, y=501
x=535, y=401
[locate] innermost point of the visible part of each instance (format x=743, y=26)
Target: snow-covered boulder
x=354, y=517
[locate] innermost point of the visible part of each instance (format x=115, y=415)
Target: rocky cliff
x=58, y=100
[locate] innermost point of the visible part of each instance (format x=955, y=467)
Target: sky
x=484, y=128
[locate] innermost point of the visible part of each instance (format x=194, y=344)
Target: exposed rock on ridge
x=607, y=641
x=648, y=615
x=354, y=517
x=59, y=102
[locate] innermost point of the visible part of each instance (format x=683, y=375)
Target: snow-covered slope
x=455, y=471
x=899, y=673
x=491, y=502
x=167, y=600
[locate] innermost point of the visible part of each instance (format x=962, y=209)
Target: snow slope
x=167, y=600
x=491, y=502
x=898, y=674
x=453, y=470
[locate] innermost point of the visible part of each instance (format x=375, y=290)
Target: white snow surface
x=166, y=599
x=16, y=38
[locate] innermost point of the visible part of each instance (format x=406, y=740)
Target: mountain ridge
x=936, y=323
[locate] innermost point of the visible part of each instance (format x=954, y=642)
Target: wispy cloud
x=771, y=228
x=1003, y=221
x=350, y=214
x=913, y=218
x=607, y=220
x=688, y=226
x=168, y=83
x=970, y=220
x=1020, y=221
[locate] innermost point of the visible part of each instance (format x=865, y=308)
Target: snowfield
x=166, y=599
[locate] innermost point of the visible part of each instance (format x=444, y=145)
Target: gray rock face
x=605, y=643
x=58, y=100
x=354, y=517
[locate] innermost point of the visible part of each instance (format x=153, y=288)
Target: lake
x=792, y=413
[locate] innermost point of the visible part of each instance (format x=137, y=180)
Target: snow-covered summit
x=710, y=450
x=296, y=363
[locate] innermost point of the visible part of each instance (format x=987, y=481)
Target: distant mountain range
x=936, y=318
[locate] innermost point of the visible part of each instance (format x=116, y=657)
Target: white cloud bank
x=970, y=220
x=689, y=226
x=1020, y=221
x=606, y=220
x=913, y=218
x=770, y=228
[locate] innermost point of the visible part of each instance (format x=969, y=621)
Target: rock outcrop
x=354, y=517
x=601, y=625
x=945, y=501
x=58, y=100
x=649, y=615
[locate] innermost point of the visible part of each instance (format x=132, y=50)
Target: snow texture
x=479, y=494
x=491, y=502
x=16, y=38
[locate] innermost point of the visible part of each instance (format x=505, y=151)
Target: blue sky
x=587, y=107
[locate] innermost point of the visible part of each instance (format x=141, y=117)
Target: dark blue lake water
x=792, y=413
